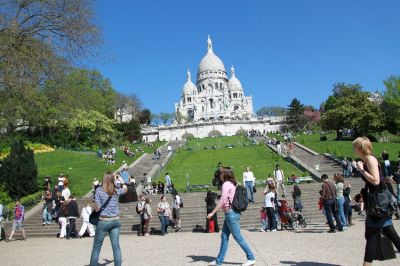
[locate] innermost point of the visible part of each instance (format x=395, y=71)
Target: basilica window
x=235, y=95
x=203, y=87
x=189, y=99
x=211, y=103
x=216, y=85
x=220, y=85
x=202, y=108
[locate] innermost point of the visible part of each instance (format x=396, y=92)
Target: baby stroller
x=290, y=219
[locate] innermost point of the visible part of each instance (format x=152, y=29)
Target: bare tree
x=128, y=107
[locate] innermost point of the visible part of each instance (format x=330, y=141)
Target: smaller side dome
x=189, y=87
x=234, y=83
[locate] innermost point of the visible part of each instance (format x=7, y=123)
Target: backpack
x=181, y=202
x=240, y=201
x=18, y=212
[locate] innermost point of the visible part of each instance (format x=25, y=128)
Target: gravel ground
x=309, y=247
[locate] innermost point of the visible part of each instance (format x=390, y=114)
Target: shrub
x=18, y=172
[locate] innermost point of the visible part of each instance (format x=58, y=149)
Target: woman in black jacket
x=210, y=205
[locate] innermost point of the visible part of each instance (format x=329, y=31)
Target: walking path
x=279, y=248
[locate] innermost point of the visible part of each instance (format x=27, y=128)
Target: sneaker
x=146, y=234
x=213, y=263
x=344, y=227
x=249, y=263
x=43, y=224
x=262, y=230
x=274, y=230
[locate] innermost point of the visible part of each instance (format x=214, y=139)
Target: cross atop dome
x=188, y=75
x=209, y=44
x=232, y=71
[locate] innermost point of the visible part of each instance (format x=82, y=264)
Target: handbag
x=254, y=189
x=384, y=249
x=94, y=217
x=381, y=203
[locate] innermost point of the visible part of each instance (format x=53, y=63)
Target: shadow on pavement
x=208, y=259
x=306, y=263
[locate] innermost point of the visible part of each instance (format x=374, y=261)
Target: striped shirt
x=112, y=208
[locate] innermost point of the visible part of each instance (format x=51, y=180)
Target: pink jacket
x=228, y=191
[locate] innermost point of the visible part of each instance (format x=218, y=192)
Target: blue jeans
x=232, y=226
x=111, y=227
x=329, y=207
x=164, y=220
x=249, y=189
x=340, y=208
x=46, y=216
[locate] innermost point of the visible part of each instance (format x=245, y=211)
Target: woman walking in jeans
x=232, y=219
x=369, y=170
x=109, y=218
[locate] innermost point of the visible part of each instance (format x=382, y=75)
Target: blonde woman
x=370, y=173
x=109, y=217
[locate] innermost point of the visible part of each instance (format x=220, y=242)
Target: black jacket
x=73, y=209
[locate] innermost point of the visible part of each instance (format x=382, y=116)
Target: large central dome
x=210, y=61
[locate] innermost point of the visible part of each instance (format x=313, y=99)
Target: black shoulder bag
x=95, y=215
x=381, y=203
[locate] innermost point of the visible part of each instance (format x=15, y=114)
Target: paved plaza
x=310, y=247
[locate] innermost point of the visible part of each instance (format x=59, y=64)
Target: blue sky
x=280, y=49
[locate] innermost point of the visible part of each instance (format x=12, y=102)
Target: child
x=270, y=207
x=263, y=219
x=296, y=194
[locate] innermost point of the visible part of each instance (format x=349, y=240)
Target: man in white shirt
x=248, y=182
x=279, y=180
x=176, y=215
x=86, y=211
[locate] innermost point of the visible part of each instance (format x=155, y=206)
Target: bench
x=199, y=187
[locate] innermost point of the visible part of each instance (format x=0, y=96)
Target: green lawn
x=200, y=163
x=344, y=148
x=80, y=167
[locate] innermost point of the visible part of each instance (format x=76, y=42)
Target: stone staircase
x=194, y=211
x=148, y=165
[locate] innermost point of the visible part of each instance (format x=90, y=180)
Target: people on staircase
x=279, y=178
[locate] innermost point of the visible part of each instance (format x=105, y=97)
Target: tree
x=295, y=119
x=391, y=103
x=18, y=171
x=37, y=40
x=145, y=117
x=128, y=106
x=130, y=130
x=90, y=128
x=350, y=108
x=165, y=117
x=271, y=111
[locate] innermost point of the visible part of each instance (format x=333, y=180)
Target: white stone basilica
x=214, y=97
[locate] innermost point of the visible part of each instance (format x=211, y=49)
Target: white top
x=169, y=148
x=248, y=176
x=269, y=200
x=177, y=201
x=278, y=174
x=61, y=180
x=66, y=193
x=167, y=180
x=86, y=211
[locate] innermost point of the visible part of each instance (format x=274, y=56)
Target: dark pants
x=271, y=218
x=348, y=212
x=141, y=230
x=372, y=236
x=72, y=228
x=329, y=207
